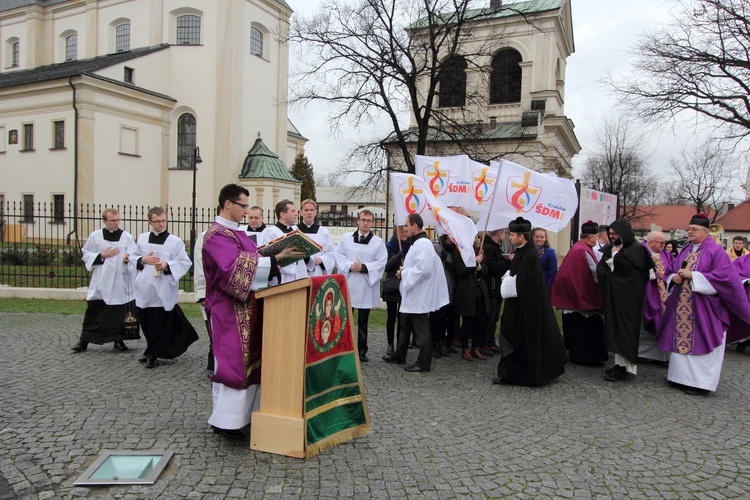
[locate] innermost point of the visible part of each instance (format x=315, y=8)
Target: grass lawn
x=377, y=316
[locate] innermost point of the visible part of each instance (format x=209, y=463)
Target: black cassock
x=623, y=290
x=532, y=348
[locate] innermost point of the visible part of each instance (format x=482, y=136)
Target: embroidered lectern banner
x=335, y=405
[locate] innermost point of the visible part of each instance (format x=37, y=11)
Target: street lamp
x=196, y=160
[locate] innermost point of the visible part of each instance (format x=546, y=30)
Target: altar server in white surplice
x=321, y=263
x=161, y=262
x=361, y=256
x=286, y=216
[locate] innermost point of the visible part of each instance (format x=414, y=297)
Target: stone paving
x=445, y=434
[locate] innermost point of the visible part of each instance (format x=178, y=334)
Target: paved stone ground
x=444, y=434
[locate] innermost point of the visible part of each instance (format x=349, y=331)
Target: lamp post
x=196, y=160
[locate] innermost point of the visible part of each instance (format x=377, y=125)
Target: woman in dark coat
x=471, y=303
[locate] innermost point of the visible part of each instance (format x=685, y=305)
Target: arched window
x=188, y=30
x=122, y=38
x=15, y=52
x=505, y=78
x=185, y=140
x=256, y=42
x=452, y=83
x=71, y=47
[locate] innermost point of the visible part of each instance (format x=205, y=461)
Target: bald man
x=656, y=297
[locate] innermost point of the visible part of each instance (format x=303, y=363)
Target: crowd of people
x=641, y=301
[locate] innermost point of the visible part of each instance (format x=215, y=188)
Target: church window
x=122, y=37
x=256, y=42
x=185, y=140
x=505, y=78
x=188, y=30
x=15, y=50
x=452, y=83
x=71, y=47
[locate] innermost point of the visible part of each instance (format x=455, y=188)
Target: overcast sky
x=603, y=31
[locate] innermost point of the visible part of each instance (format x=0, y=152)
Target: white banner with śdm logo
x=412, y=195
x=458, y=180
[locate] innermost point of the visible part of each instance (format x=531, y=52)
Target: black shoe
x=442, y=348
x=416, y=368
x=499, y=381
x=450, y=348
x=363, y=358
x=150, y=362
x=617, y=374
x=143, y=359
x=694, y=391
x=229, y=433
x=80, y=347
x=389, y=350
x=435, y=352
x=741, y=346
x=120, y=346
x=391, y=359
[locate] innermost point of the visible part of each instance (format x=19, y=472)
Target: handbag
x=390, y=289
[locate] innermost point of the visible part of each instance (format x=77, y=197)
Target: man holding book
x=286, y=216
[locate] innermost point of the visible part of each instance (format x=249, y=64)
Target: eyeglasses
x=694, y=229
x=368, y=221
x=660, y=242
x=244, y=206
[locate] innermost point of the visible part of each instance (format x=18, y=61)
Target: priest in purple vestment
x=231, y=265
x=739, y=330
x=705, y=298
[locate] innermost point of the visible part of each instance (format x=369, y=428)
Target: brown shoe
x=467, y=355
x=456, y=343
x=475, y=353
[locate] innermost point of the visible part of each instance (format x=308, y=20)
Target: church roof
x=74, y=68
x=262, y=163
x=508, y=9
x=736, y=219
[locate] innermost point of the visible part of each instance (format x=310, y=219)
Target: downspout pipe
x=74, y=229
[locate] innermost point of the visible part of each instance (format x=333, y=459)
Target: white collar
x=227, y=223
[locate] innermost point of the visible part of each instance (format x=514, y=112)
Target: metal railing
x=40, y=243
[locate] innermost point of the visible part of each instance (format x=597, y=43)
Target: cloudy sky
x=603, y=30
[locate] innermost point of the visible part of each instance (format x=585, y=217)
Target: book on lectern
x=296, y=239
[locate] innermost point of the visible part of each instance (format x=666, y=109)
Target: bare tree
x=705, y=176
x=372, y=60
x=697, y=63
x=618, y=165
x=331, y=179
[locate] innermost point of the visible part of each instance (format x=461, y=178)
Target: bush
x=42, y=256
x=15, y=256
x=71, y=258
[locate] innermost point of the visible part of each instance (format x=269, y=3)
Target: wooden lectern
x=279, y=426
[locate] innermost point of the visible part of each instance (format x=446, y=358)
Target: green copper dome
x=262, y=163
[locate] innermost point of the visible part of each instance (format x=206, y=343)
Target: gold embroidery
x=333, y=404
x=684, y=322
x=659, y=265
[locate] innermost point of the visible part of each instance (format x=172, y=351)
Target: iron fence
x=40, y=243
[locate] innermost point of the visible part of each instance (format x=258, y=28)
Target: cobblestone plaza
x=445, y=434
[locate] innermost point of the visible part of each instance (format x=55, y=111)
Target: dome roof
x=261, y=162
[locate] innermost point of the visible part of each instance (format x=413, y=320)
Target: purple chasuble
x=229, y=262
x=654, y=304
x=695, y=325
x=739, y=330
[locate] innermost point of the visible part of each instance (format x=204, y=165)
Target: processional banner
x=335, y=404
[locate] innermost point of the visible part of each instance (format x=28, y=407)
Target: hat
x=700, y=220
x=520, y=225
x=589, y=227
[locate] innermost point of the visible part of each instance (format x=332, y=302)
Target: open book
x=296, y=239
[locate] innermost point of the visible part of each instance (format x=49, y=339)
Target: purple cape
x=705, y=319
x=574, y=287
x=740, y=330
x=229, y=263
x=652, y=305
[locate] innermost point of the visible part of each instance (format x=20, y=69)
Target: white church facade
x=105, y=101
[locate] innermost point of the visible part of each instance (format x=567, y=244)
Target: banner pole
x=492, y=203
